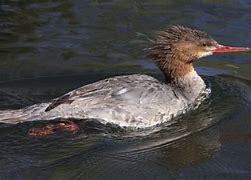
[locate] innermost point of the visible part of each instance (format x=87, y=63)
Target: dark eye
x=204, y=44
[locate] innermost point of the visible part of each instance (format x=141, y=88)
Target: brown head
x=176, y=48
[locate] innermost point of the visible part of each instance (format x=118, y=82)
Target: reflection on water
x=196, y=143
x=42, y=38
x=48, y=48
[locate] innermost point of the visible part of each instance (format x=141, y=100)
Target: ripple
x=226, y=100
x=98, y=149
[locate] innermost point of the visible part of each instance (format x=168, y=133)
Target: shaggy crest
x=176, y=48
x=165, y=40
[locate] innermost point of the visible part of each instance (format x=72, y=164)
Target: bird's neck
x=190, y=86
x=183, y=78
x=174, y=67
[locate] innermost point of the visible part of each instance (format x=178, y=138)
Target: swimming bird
x=137, y=100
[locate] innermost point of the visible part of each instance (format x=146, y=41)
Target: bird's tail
x=29, y=113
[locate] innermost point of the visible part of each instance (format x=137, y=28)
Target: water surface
x=50, y=47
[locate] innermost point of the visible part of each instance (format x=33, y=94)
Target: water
x=50, y=47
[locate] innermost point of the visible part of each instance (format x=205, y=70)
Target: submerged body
x=137, y=100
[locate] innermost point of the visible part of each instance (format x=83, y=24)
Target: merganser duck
x=137, y=100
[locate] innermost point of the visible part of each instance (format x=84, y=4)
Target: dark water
x=50, y=47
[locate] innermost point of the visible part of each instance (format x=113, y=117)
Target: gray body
x=137, y=100
x=132, y=101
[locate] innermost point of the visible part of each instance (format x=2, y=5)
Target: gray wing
x=120, y=88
